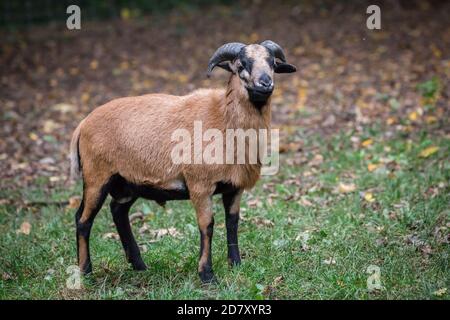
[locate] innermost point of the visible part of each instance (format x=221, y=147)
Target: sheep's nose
x=265, y=81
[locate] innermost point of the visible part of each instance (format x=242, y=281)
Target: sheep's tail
x=75, y=163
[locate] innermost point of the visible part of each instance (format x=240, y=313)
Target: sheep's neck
x=240, y=112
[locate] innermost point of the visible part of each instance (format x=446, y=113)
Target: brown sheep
x=123, y=148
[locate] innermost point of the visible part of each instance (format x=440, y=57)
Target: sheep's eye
x=272, y=63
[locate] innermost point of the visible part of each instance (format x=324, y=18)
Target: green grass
x=411, y=202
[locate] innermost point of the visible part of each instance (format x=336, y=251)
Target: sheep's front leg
x=205, y=220
x=231, y=204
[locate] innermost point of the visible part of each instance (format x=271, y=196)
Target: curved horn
x=275, y=49
x=227, y=52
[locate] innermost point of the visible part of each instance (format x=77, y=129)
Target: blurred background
x=348, y=75
x=364, y=171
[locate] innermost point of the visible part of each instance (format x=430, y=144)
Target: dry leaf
x=301, y=97
x=144, y=228
x=431, y=119
x=277, y=281
x=368, y=196
x=346, y=188
x=254, y=203
x=329, y=261
x=440, y=292
x=425, y=153
x=33, y=136
x=413, y=116
x=64, y=107
x=317, y=160
x=50, y=126
x=111, y=235
x=262, y=222
x=159, y=233
x=74, y=202
x=373, y=166
x=25, y=228
x=135, y=216
x=305, y=202
x=367, y=142
x=94, y=64
x=6, y=276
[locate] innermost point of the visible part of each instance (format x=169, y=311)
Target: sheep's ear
x=283, y=67
x=225, y=65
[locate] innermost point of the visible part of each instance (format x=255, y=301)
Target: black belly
x=121, y=188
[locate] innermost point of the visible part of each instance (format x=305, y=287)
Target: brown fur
x=132, y=137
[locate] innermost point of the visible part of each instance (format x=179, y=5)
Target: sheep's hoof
x=139, y=266
x=234, y=262
x=87, y=270
x=207, y=277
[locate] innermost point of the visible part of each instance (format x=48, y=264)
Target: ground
x=363, y=189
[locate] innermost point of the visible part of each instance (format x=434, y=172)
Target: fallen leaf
x=74, y=202
x=413, y=116
x=305, y=202
x=25, y=228
x=368, y=196
x=440, y=292
x=302, y=94
x=390, y=121
x=159, y=233
x=431, y=119
x=144, y=228
x=262, y=222
x=277, y=281
x=111, y=235
x=254, y=203
x=316, y=161
x=50, y=126
x=367, y=142
x=94, y=64
x=346, y=188
x=33, y=136
x=7, y=276
x=329, y=261
x=425, y=153
x=373, y=166
x=135, y=216
x=64, y=107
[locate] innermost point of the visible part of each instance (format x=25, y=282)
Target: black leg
x=205, y=266
x=120, y=216
x=231, y=205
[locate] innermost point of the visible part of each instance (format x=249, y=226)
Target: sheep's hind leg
x=121, y=220
x=231, y=204
x=93, y=199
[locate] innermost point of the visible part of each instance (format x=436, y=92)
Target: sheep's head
x=254, y=64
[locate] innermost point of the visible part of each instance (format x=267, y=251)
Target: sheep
x=123, y=148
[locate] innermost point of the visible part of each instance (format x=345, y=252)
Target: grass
x=318, y=248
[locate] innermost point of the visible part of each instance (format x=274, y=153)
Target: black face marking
x=270, y=61
x=246, y=62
